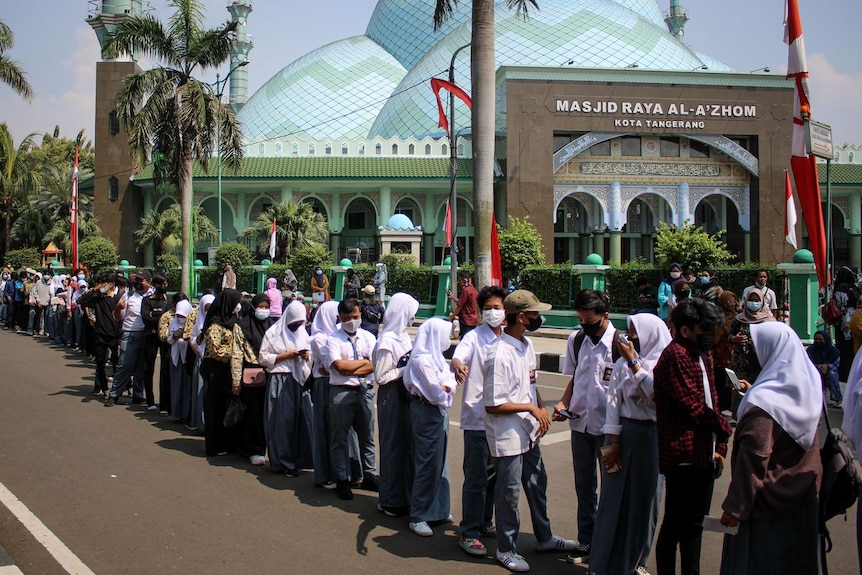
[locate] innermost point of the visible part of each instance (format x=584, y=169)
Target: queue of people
x=643, y=404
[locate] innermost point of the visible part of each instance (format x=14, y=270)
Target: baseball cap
x=144, y=275
x=523, y=300
x=369, y=289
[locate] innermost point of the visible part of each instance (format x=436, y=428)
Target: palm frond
x=14, y=76
x=143, y=35
x=522, y=7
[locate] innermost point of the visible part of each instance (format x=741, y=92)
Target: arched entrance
x=359, y=237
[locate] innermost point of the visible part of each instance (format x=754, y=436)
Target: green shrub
x=245, y=279
x=23, y=258
x=556, y=284
x=170, y=260
x=621, y=283
x=175, y=279
x=520, y=246
x=691, y=247
x=209, y=279
x=98, y=254
x=304, y=260
x=418, y=281
x=235, y=255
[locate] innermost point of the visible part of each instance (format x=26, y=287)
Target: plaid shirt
x=685, y=423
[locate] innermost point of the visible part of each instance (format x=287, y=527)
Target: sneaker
x=641, y=570
x=326, y=485
x=97, y=391
x=355, y=483
x=421, y=528
x=152, y=408
x=370, y=483
x=110, y=401
x=257, y=460
x=291, y=473
x=580, y=554
x=342, y=489
x=472, y=546
x=163, y=412
x=512, y=561
x=489, y=531
x=555, y=543
x=386, y=511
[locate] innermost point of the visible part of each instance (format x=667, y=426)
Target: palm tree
x=29, y=228
x=297, y=226
x=20, y=176
x=166, y=110
x=482, y=121
x=11, y=73
x=165, y=230
x=55, y=202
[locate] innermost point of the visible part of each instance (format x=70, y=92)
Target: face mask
x=46, y=280
x=160, y=289
x=237, y=309
x=753, y=305
x=685, y=294
x=261, y=313
x=318, y=272
x=493, y=317
x=536, y=323
x=138, y=286
x=80, y=276
x=820, y=343
x=295, y=325
x=704, y=280
x=675, y=275
x=591, y=329
x=350, y=326
x=465, y=282
x=705, y=341
x=103, y=289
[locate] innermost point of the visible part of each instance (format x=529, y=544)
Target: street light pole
x=453, y=167
x=219, y=86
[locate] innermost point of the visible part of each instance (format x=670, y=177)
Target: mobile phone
x=734, y=381
x=623, y=338
x=568, y=414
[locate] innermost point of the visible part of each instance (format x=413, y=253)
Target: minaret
x=115, y=202
x=241, y=46
x=676, y=19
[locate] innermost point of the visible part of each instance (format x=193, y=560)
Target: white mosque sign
x=631, y=114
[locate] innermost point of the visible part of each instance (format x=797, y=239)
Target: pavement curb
x=7, y=565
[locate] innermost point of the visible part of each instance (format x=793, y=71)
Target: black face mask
x=705, y=341
x=535, y=323
x=138, y=286
x=294, y=326
x=592, y=329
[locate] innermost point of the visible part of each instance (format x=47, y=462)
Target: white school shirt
x=623, y=401
x=590, y=381
x=338, y=347
x=132, y=320
x=510, y=372
x=472, y=351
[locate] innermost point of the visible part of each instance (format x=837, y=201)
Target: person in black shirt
x=106, y=330
x=152, y=308
x=372, y=310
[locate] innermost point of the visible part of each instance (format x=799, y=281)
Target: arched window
x=411, y=150
x=311, y=149
x=328, y=149
x=378, y=149
x=444, y=149
x=261, y=149
x=394, y=149
x=278, y=149
x=427, y=149
x=344, y=149
x=460, y=149
x=850, y=157
x=294, y=149
x=113, y=123
x=361, y=149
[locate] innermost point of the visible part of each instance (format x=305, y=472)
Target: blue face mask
x=704, y=280
x=753, y=305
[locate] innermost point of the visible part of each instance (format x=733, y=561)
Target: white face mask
x=493, y=317
x=351, y=326
x=103, y=289
x=237, y=309
x=261, y=313
x=675, y=275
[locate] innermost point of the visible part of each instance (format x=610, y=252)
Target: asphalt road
x=131, y=492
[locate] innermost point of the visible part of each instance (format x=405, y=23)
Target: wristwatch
x=634, y=362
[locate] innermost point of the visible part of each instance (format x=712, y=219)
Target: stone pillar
x=616, y=247
x=286, y=194
x=592, y=273
x=444, y=285
x=386, y=208
x=586, y=247
x=428, y=248
x=856, y=229
x=803, y=293
x=746, y=237
x=259, y=278
x=337, y=276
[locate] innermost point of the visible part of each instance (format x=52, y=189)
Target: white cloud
x=66, y=98
x=835, y=98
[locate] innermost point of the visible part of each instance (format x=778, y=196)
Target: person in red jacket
x=692, y=433
x=467, y=305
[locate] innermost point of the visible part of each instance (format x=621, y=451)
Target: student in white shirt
x=586, y=397
x=516, y=419
x=477, y=493
x=350, y=371
x=628, y=506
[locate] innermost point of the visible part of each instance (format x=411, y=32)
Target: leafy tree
x=304, y=260
x=11, y=73
x=20, y=176
x=520, y=246
x=690, y=246
x=61, y=232
x=165, y=230
x=483, y=95
x=59, y=151
x=297, y=226
x=166, y=111
x=236, y=255
x=171, y=261
x=24, y=258
x=98, y=254
x=29, y=228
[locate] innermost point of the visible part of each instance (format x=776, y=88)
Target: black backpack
x=579, y=341
x=840, y=485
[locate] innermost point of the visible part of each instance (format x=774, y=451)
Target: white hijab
x=653, y=337
x=432, y=340
x=852, y=424
x=788, y=387
x=278, y=339
x=179, y=347
x=400, y=313
x=205, y=300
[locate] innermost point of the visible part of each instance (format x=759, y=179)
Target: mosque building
x=608, y=122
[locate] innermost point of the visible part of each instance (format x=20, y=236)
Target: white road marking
x=64, y=556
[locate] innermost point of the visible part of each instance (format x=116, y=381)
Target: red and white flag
x=496, y=267
x=437, y=84
x=802, y=161
x=74, y=215
x=447, y=226
x=272, y=244
x=789, y=212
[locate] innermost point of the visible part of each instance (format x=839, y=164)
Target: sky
x=59, y=51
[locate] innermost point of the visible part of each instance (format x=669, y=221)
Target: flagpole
x=453, y=167
x=829, y=245
x=74, y=215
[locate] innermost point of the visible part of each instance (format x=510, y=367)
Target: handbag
x=253, y=377
x=831, y=313
x=234, y=413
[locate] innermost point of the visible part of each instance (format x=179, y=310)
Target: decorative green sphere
x=346, y=262
x=803, y=257
x=124, y=262
x=447, y=261
x=265, y=263
x=594, y=260
x=198, y=264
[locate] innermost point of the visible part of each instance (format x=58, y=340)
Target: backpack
x=579, y=341
x=840, y=485
x=831, y=312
